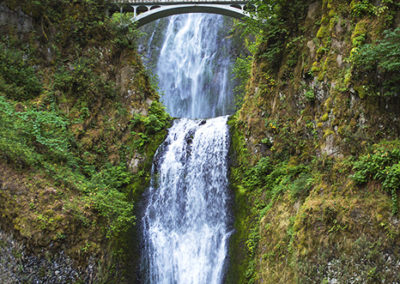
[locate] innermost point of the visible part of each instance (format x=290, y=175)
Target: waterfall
x=185, y=222
x=193, y=67
x=185, y=218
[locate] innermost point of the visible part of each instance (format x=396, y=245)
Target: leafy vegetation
x=383, y=165
x=81, y=78
x=156, y=120
x=380, y=63
x=18, y=79
x=275, y=20
x=301, y=211
x=241, y=71
x=362, y=8
x=40, y=140
x=68, y=128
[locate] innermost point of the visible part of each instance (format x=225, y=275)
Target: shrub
x=106, y=196
x=157, y=120
x=362, y=8
x=382, y=165
x=309, y=95
x=241, y=70
x=82, y=79
x=25, y=136
x=380, y=63
x=18, y=80
x=274, y=20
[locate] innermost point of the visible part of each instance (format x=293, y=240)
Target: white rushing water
x=185, y=219
x=193, y=67
x=185, y=222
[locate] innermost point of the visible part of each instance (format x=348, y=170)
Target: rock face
x=58, y=206
x=17, y=265
x=301, y=215
x=17, y=18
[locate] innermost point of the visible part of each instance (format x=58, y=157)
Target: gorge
x=303, y=189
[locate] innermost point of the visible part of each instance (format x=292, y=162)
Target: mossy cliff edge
x=315, y=146
x=79, y=125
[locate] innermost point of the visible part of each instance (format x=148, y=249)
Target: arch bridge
x=146, y=11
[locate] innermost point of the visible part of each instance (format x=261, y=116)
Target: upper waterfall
x=194, y=67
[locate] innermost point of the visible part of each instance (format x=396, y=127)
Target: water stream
x=185, y=220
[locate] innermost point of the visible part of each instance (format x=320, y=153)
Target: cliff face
x=79, y=124
x=315, y=147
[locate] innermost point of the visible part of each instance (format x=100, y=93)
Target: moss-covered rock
x=77, y=136
x=305, y=216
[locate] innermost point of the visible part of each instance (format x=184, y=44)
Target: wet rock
x=17, y=265
x=17, y=19
x=135, y=163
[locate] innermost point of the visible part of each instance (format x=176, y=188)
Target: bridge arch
x=146, y=11
x=165, y=11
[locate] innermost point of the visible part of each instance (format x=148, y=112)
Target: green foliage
x=105, y=194
x=81, y=78
x=158, y=117
x=361, y=8
x=380, y=63
x=251, y=244
x=26, y=136
x=153, y=123
x=112, y=177
x=274, y=20
x=126, y=34
x=359, y=34
x=241, y=69
x=301, y=185
x=113, y=205
x=257, y=176
x=48, y=129
x=18, y=80
x=82, y=22
x=41, y=140
x=274, y=179
x=309, y=95
x=382, y=165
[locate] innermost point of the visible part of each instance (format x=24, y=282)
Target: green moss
x=328, y=132
x=315, y=67
x=71, y=131
x=308, y=213
x=362, y=91
x=322, y=50
x=323, y=32
x=321, y=76
x=240, y=260
x=309, y=95
x=347, y=77
x=334, y=20
x=359, y=34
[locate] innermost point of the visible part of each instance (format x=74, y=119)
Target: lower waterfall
x=185, y=221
